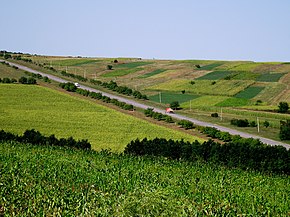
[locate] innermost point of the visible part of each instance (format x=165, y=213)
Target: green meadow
x=50, y=112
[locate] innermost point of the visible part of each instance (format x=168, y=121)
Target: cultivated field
x=55, y=181
x=50, y=112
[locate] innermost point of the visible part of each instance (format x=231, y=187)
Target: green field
x=204, y=101
x=72, y=62
x=222, y=87
x=50, y=112
x=211, y=66
x=233, y=102
x=155, y=72
x=54, y=181
x=131, y=65
x=270, y=77
x=249, y=92
x=120, y=72
x=215, y=75
x=9, y=72
x=168, y=98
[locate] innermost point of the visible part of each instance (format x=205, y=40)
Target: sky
x=257, y=30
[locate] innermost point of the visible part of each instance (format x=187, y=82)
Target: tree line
x=247, y=154
x=36, y=138
x=99, y=96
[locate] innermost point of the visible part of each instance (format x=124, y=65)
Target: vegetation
x=167, y=97
x=284, y=130
x=174, y=105
x=270, y=77
x=243, y=153
x=27, y=107
x=283, y=107
x=215, y=75
x=240, y=123
x=150, y=74
x=68, y=182
x=36, y=138
x=249, y=92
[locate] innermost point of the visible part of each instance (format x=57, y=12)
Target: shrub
x=109, y=67
x=185, y=124
x=284, y=130
x=266, y=124
x=240, y=122
x=6, y=80
x=183, y=91
x=253, y=124
x=22, y=80
x=283, y=107
x=214, y=115
x=174, y=105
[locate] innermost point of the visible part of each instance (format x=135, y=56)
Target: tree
x=266, y=124
x=283, y=107
x=183, y=91
x=284, y=130
x=174, y=105
x=22, y=80
x=109, y=67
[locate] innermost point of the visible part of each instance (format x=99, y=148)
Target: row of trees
x=242, y=153
x=22, y=80
x=112, y=85
x=72, y=88
x=36, y=138
x=157, y=115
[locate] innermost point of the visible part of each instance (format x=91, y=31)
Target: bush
x=283, y=107
x=109, y=67
x=240, y=122
x=174, y=105
x=22, y=80
x=284, y=130
x=6, y=80
x=214, y=115
x=242, y=153
x=266, y=124
x=36, y=138
x=186, y=124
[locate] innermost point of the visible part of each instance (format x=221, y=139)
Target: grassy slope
x=24, y=107
x=54, y=181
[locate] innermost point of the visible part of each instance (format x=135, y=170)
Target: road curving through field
x=144, y=106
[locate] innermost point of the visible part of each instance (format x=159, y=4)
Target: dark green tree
x=283, y=107
x=174, y=105
x=284, y=130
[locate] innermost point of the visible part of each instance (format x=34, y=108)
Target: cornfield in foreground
x=55, y=181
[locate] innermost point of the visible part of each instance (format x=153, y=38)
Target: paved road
x=144, y=106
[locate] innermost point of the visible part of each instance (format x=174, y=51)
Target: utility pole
x=190, y=104
x=221, y=114
x=258, y=125
x=66, y=69
x=160, y=97
x=84, y=73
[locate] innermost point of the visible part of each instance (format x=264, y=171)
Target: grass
x=204, y=101
x=270, y=77
x=215, y=75
x=155, y=72
x=50, y=112
x=9, y=72
x=73, y=62
x=131, y=65
x=168, y=98
x=249, y=67
x=233, y=102
x=211, y=66
x=53, y=181
x=222, y=87
x=120, y=72
x=249, y=92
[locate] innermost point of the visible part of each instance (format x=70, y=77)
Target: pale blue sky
x=257, y=30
